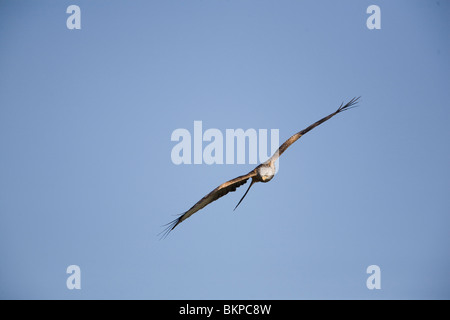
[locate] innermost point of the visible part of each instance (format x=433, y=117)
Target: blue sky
x=86, y=176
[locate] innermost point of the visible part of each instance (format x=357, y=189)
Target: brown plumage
x=262, y=173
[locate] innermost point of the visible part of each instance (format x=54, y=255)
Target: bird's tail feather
x=253, y=181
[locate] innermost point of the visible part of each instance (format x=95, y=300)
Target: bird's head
x=266, y=173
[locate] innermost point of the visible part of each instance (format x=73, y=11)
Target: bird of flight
x=262, y=173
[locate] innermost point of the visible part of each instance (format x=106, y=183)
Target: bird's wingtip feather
x=169, y=227
x=349, y=105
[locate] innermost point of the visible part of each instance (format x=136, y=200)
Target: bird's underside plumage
x=262, y=173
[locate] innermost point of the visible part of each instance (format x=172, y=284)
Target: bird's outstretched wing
x=351, y=104
x=217, y=193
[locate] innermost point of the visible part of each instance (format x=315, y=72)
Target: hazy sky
x=87, y=179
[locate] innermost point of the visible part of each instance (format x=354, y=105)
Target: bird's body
x=262, y=173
